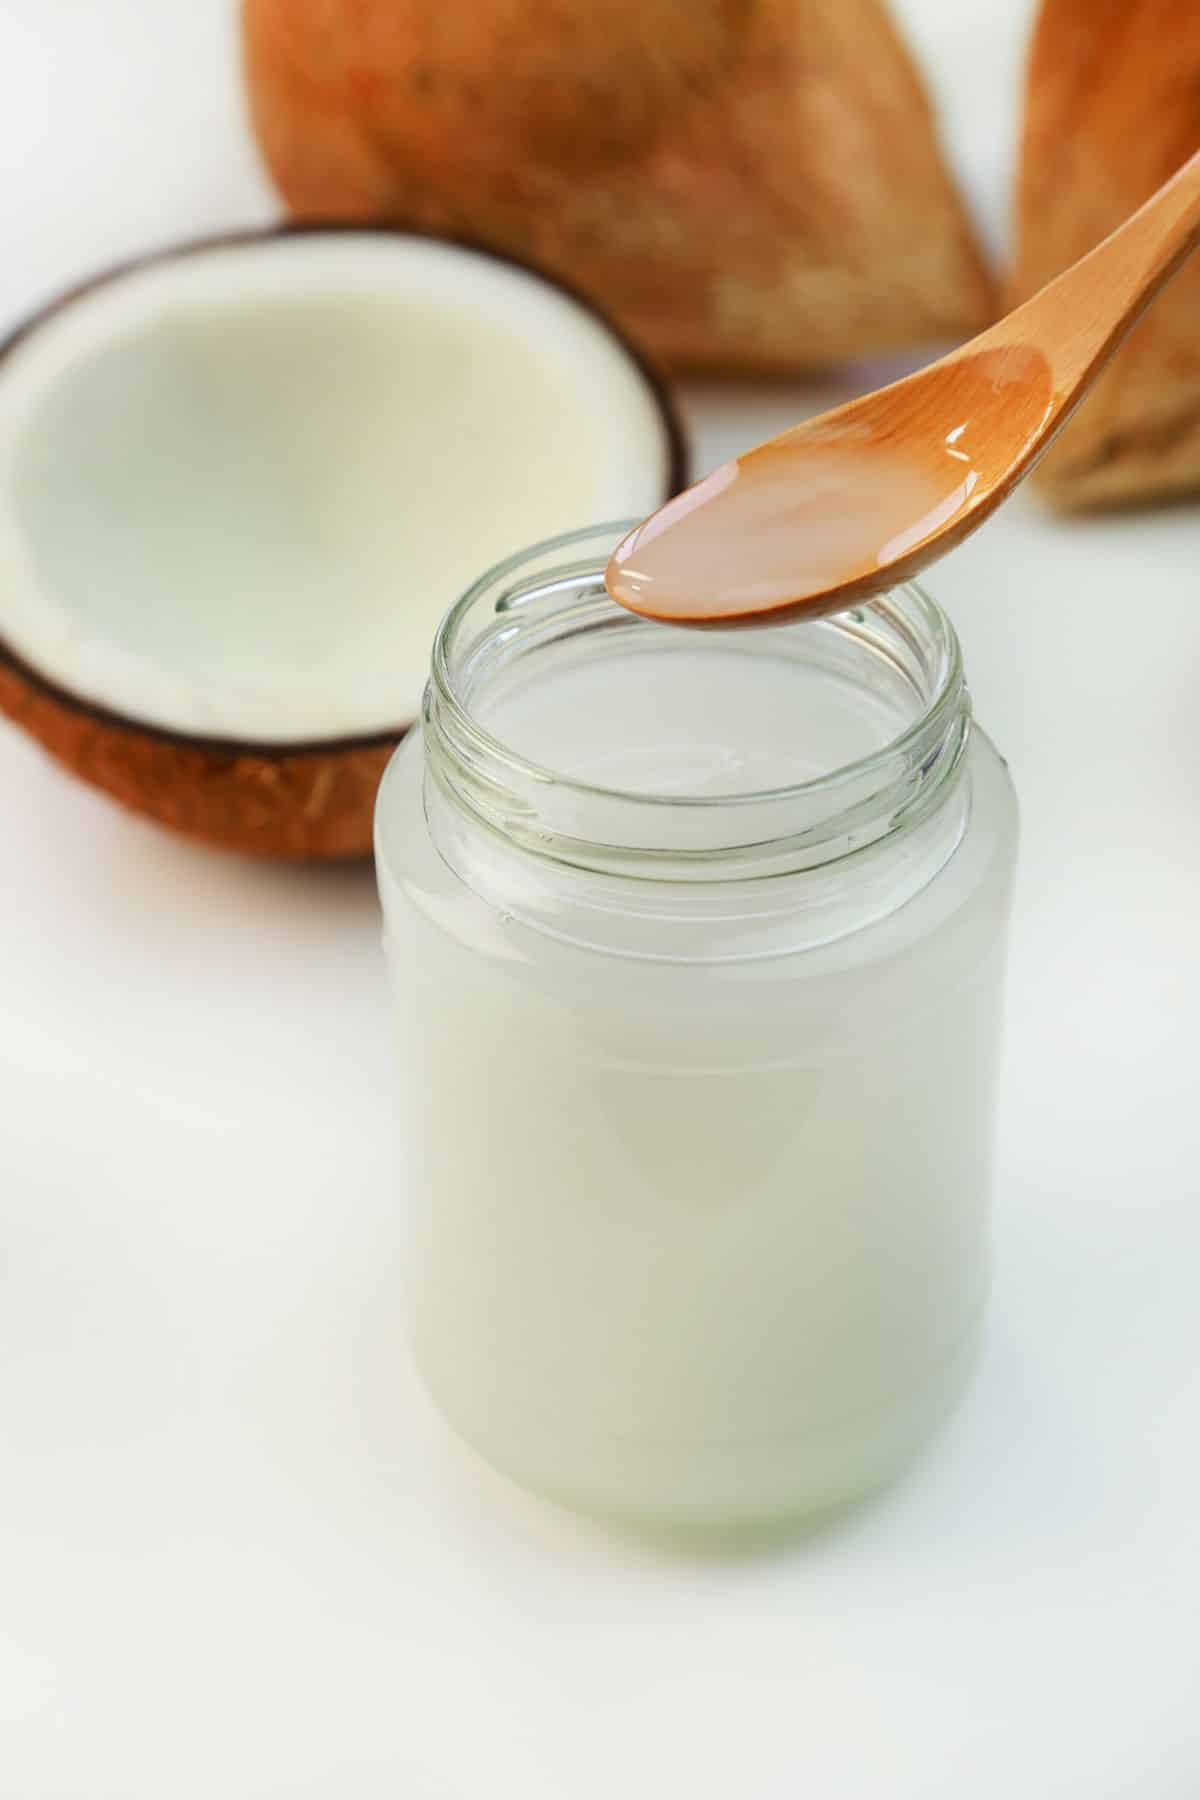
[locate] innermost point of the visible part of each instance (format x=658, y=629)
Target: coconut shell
x=293, y=800
x=1112, y=109
x=303, y=801
x=744, y=185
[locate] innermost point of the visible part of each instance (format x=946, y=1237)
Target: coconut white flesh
x=239, y=488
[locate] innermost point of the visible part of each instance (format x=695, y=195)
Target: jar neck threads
x=551, y=603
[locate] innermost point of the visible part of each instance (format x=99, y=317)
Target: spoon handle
x=1081, y=317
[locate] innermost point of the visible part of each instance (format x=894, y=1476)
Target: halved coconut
x=241, y=481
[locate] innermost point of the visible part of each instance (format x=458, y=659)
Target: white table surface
x=238, y=1554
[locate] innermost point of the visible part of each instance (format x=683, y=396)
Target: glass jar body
x=702, y=1240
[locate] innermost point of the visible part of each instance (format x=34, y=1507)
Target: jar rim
x=944, y=701
x=552, y=594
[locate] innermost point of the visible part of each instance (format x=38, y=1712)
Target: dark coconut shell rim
x=676, y=443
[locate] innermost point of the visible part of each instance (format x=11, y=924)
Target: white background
x=238, y=1555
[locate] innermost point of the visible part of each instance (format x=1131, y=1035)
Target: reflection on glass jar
x=697, y=942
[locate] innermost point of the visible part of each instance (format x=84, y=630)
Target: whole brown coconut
x=743, y=184
x=1112, y=109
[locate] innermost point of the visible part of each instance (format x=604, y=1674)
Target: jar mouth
x=550, y=597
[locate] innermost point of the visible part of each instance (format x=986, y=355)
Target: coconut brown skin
x=314, y=801
x=307, y=800
x=1113, y=109
x=744, y=185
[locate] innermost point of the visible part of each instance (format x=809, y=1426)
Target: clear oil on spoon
x=856, y=500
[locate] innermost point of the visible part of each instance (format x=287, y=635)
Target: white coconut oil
x=697, y=941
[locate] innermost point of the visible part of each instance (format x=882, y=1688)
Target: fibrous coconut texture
x=314, y=802
x=1112, y=109
x=743, y=184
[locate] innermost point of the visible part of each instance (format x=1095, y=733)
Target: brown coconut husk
x=296, y=801
x=1112, y=109
x=744, y=185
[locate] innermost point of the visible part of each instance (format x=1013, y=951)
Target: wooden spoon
x=858, y=499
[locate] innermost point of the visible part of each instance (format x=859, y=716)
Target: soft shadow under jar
x=697, y=943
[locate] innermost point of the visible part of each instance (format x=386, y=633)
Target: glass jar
x=697, y=941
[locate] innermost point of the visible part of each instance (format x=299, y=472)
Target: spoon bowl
x=861, y=498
